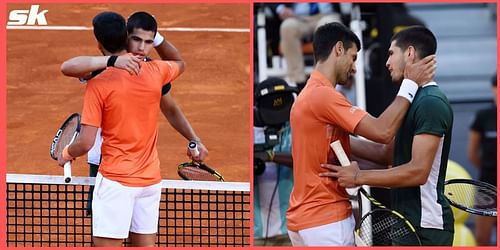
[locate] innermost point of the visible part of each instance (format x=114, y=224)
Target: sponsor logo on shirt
x=353, y=109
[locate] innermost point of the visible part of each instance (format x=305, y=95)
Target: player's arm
x=372, y=151
x=411, y=174
x=82, y=144
x=168, y=52
x=282, y=158
x=168, y=106
x=473, y=148
x=176, y=118
x=383, y=128
x=83, y=66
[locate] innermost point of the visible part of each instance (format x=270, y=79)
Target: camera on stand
x=273, y=100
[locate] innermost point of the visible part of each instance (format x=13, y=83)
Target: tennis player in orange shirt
x=127, y=189
x=141, y=29
x=320, y=212
x=140, y=26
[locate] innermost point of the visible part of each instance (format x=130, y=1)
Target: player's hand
x=422, y=71
x=201, y=156
x=60, y=160
x=346, y=176
x=129, y=62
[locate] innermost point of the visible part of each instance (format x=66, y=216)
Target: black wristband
x=111, y=61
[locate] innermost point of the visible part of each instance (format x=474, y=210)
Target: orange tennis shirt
x=319, y=116
x=126, y=107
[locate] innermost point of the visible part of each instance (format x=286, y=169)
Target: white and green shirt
x=426, y=206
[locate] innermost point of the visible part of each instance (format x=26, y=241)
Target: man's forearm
x=383, y=128
x=83, y=65
x=283, y=159
x=372, y=151
x=390, y=120
x=411, y=174
x=79, y=148
x=178, y=121
x=84, y=142
x=403, y=176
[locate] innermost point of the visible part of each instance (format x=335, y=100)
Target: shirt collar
x=430, y=84
x=320, y=78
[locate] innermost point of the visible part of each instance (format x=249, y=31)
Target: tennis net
x=42, y=210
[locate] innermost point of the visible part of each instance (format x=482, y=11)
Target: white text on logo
x=29, y=17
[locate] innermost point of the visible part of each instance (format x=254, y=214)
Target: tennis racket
x=344, y=161
x=381, y=226
x=472, y=196
x=385, y=227
x=197, y=171
x=65, y=136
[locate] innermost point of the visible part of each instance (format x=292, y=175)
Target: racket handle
x=341, y=155
x=67, y=172
x=344, y=161
x=193, y=148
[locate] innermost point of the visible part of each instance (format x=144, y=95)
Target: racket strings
x=486, y=198
x=66, y=135
x=195, y=173
x=472, y=196
x=383, y=228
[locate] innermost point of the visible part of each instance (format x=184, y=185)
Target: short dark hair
x=327, y=35
x=494, y=80
x=420, y=37
x=141, y=20
x=110, y=31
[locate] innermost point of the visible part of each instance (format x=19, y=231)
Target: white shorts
x=340, y=233
x=118, y=209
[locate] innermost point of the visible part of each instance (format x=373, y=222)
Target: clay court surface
x=213, y=92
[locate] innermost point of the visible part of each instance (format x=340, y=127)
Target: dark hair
x=419, y=37
x=494, y=80
x=110, y=31
x=141, y=20
x=327, y=35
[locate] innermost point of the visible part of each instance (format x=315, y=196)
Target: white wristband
x=408, y=89
x=158, y=39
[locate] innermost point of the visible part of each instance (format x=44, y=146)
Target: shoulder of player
x=158, y=63
x=431, y=95
x=103, y=75
x=323, y=91
x=432, y=107
x=324, y=95
x=149, y=60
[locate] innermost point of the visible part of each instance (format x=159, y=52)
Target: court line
x=179, y=29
